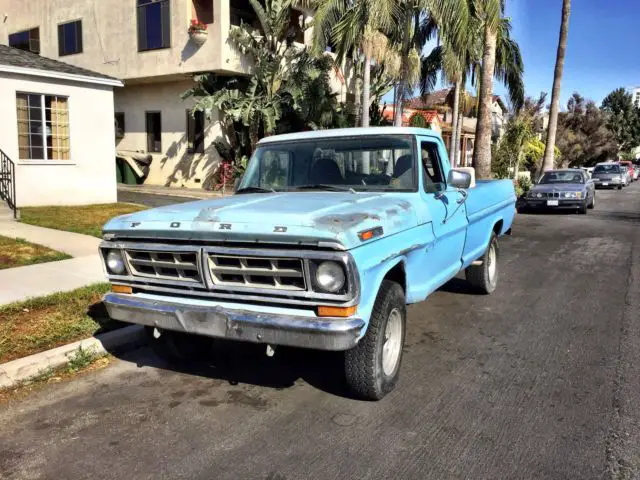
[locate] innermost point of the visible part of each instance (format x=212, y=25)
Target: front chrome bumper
x=243, y=325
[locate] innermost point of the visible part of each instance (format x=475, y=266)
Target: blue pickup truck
x=329, y=235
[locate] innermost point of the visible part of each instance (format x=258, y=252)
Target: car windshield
x=607, y=169
x=381, y=162
x=562, y=177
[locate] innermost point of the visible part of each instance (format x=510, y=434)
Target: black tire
x=479, y=276
x=582, y=210
x=592, y=205
x=178, y=347
x=364, y=371
x=619, y=187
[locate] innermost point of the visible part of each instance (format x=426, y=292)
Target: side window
x=434, y=180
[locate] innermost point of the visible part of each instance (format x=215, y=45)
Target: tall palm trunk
x=482, y=150
x=454, y=123
x=547, y=163
x=404, y=69
x=458, y=157
x=366, y=88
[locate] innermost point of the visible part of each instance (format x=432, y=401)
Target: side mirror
x=459, y=179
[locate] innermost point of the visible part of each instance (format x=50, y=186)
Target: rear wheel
x=484, y=277
x=372, y=367
x=593, y=201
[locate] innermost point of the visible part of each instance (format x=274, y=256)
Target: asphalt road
x=539, y=380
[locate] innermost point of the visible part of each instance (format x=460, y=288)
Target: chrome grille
x=257, y=272
x=166, y=265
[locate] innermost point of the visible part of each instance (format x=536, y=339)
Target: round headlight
x=330, y=276
x=115, y=263
x=539, y=195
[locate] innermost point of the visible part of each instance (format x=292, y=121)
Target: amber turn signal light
x=121, y=289
x=371, y=233
x=336, y=311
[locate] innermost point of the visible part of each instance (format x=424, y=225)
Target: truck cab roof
x=349, y=132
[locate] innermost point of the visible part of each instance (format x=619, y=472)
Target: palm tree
x=548, y=161
x=500, y=58
x=356, y=26
x=420, y=20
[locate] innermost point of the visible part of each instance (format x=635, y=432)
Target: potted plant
x=198, y=32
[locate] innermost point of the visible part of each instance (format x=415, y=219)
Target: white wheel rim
x=492, y=263
x=392, y=342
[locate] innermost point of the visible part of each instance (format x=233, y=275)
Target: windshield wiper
x=324, y=186
x=255, y=190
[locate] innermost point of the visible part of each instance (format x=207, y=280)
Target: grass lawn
x=86, y=219
x=46, y=322
x=16, y=252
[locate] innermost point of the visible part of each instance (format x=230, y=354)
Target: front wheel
x=592, y=205
x=372, y=367
x=583, y=208
x=484, y=277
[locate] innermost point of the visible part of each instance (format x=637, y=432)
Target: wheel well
x=497, y=228
x=397, y=274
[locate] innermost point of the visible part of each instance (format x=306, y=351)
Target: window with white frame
x=43, y=127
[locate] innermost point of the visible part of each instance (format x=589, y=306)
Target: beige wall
x=174, y=166
x=110, y=42
x=89, y=176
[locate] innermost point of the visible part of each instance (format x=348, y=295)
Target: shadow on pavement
x=247, y=363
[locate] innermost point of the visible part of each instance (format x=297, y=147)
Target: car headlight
x=330, y=276
x=578, y=194
x=115, y=262
x=538, y=195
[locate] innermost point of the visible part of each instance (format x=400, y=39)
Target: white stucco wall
x=173, y=166
x=89, y=176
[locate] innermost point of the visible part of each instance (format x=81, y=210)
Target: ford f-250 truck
x=329, y=235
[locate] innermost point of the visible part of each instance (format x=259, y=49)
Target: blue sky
x=603, y=50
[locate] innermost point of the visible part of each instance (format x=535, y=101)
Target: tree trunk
x=482, y=150
x=366, y=90
x=547, y=162
x=517, y=167
x=454, y=124
x=404, y=69
x=459, y=152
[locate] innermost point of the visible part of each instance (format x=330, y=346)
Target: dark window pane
x=195, y=132
x=154, y=23
x=203, y=10
x=119, y=120
x=154, y=131
x=28, y=40
x=70, y=38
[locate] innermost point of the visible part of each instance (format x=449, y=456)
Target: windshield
x=383, y=162
x=562, y=177
x=613, y=168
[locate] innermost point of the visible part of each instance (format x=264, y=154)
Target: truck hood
x=305, y=218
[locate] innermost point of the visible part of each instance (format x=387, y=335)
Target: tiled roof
x=15, y=57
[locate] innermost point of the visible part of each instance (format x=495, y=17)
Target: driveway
x=539, y=380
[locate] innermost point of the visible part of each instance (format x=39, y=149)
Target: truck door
x=448, y=212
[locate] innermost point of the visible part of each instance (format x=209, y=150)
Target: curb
x=17, y=371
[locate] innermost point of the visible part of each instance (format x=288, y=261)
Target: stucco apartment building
x=146, y=44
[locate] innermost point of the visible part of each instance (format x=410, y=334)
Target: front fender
x=376, y=259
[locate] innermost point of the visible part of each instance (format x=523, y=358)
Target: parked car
x=610, y=175
x=560, y=189
x=636, y=172
x=629, y=168
x=329, y=236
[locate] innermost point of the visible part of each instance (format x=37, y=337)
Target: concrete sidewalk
x=20, y=283
x=73, y=244
x=17, y=284
x=198, y=193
